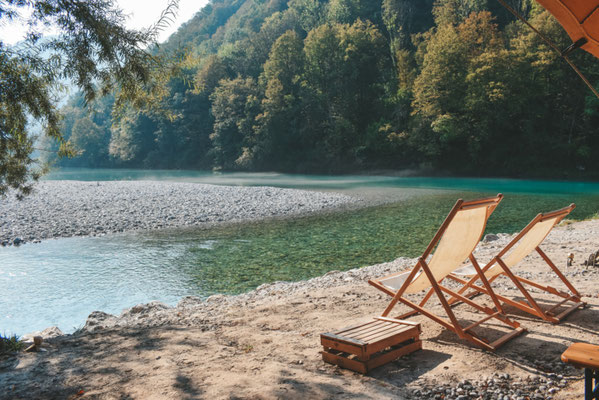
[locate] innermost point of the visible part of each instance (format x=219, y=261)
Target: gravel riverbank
x=74, y=208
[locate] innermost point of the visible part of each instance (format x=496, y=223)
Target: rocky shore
x=74, y=208
x=265, y=344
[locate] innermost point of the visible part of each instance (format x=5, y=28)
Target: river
x=59, y=282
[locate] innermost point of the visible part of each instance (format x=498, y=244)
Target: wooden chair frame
x=440, y=290
x=531, y=306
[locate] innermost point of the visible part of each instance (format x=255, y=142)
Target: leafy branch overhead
x=92, y=49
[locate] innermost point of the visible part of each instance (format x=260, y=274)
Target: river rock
x=189, y=301
x=99, y=320
x=215, y=298
x=47, y=333
x=145, y=309
x=490, y=237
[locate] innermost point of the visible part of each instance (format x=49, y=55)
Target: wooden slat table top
x=582, y=355
x=372, y=331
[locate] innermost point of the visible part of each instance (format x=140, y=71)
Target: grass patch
x=10, y=344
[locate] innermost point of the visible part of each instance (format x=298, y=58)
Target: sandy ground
x=265, y=344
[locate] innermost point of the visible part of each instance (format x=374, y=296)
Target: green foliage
x=341, y=85
x=90, y=139
x=23, y=93
x=10, y=344
x=279, y=125
x=94, y=50
x=234, y=106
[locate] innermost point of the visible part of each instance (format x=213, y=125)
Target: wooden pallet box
x=364, y=347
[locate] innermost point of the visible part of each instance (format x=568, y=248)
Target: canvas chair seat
x=468, y=270
x=395, y=282
x=524, y=244
x=453, y=244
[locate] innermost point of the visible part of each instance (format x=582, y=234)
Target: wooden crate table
x=584, y=355
x=364, y=347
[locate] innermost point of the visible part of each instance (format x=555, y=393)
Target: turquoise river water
x=59, y=282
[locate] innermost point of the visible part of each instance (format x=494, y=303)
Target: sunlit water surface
x=59, y=282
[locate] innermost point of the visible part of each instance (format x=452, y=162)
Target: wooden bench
x=364, y=347
x=584, y=355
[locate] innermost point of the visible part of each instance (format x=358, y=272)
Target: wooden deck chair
x=453, y=243
x=527, y=241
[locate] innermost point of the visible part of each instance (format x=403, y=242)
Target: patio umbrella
x=580, y=19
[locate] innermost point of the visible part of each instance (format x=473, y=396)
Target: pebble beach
x=74, y=208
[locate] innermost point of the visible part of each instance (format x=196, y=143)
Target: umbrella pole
x=553, y=46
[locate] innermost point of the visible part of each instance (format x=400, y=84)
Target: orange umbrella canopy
x=580, y=18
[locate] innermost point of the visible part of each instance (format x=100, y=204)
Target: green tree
x=235, y=105
x=94, y=50
x=132, y=138
x=280, y=139
x=346, y=70
x=310, y=13
x=91, y=143
x=441, y=89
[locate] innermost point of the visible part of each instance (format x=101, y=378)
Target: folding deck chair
x=521, y=246
x=453, y=243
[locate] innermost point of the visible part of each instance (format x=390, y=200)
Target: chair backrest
x=529, y=238
x=456, y=239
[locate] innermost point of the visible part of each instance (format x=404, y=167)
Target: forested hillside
x=352, y=85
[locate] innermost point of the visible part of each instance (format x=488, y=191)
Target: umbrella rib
x=552, y=45
x=589, y=14
x=584, y=78
x=521, y=18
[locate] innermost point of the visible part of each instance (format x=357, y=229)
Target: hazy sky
x=142, y=13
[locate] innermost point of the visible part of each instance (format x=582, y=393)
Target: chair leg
x=522, y=289
x=486, y=283
x=558, y=272
x=591, y=385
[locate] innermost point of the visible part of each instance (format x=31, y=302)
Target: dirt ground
x=268, y=346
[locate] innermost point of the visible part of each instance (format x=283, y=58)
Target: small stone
x=490, y=237
x=47, y=333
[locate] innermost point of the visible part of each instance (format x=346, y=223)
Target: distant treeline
x=329, y=86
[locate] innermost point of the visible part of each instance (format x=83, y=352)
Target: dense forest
x=329, y=86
